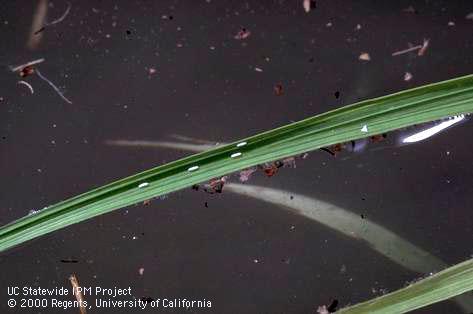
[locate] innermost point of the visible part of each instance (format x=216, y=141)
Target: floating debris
x=451, y=23
x=215, y=185
x=378, y=138
x=53, y=86
x=422, y=48
x=141, y=271
x=308, y=5
x=69, y=260
x=151, y=71
x=258, y=69
x=242, y=34
x=58, y=20
x=322, y=310
x=26, y=71
x=278, y=89
x=246, y=174
x=469, y=16
x=334, y=149
x=78, y=294
x=407, y=76
x=29, y=65
x=364, y=128
x=27, y=85
x=364, y=56
x=289, y=162
x=143, y=185
x=241, y=144
x=270, y=169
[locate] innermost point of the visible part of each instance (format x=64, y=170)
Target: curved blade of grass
x=448, y=283
x=379, y=115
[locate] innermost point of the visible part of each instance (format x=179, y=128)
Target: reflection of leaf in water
x=180, y=146
x=382, y=240
x=379, y=238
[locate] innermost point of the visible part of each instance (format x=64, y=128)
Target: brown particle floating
x=378, y=138
x=270, y=169
x=278, y=89
x=242, y=34
x=215, y=185
x=364, y=56
x=26, y=71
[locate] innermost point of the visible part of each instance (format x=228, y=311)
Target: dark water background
x=100, y=55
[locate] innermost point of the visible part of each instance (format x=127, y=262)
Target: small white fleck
x=364, y=128
x=364, y=56
x=142, y=185
x=193, y=168
x=407, y=76
x=241, y=144
x=235, y=155
x=258, y=69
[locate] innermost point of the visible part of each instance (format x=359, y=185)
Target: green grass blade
x=448, y=283
x=383, y=114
